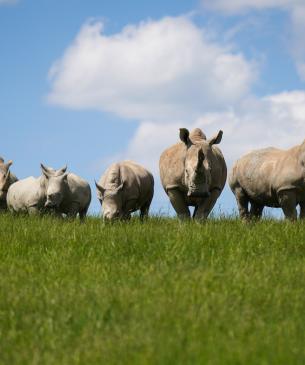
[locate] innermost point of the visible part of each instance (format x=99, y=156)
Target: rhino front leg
x=73, y=210
x=204, y=209
x=256, y=210
x=242, y=203
x=302, y=210
x=287, y=199
x=178, y=202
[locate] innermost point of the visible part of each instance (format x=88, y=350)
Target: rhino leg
x=73, y=210
x=242, y=202
x=302, y=210
x=288, y=202
x=178, y=202
x=82, y=215
x=256, y=210
x=204, y=209
x=144, y=210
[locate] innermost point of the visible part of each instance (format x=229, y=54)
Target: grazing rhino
x=270, y=177
x=193, y=173
x=54, y=190
x=6, y=180
x=125, y=188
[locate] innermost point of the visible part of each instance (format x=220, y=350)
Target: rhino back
x=171, y=166
x=138, y=182
x=78, y=191
x=25, y=193
x=263, y=173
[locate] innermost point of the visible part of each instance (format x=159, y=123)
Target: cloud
x=156, y=70
x=276, y=120
x=295, y=8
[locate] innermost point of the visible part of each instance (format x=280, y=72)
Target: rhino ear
x=8, y=165
x=184, y=135
x=64, y=176
x=61, y=171
x=216, y=139
x=1, y=160
x=100, y=188
x=45, y=170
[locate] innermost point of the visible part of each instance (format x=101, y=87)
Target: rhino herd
x=193, y=172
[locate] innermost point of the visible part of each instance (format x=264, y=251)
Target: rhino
x=270, y=177
x=124, y=188
x=7, y=178
x=193, y=172
x=54, y=191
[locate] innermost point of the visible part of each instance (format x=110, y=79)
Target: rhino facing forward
x=270, y=177
x=193, y=173
x=6, y=180
x=54, y=190
x=125, y=188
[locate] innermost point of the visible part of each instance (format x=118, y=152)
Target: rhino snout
x=52, y=201
x=111, y=215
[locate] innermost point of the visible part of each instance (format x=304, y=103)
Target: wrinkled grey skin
x=193, y=173
x=124, y=188
x=54, y=191
x=270, y=177
x=7, y=178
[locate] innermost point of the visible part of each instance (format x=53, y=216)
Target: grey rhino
x=270, y=177
x=193, y=173
x=54, y=190
x=124, y=188
x=7, y=178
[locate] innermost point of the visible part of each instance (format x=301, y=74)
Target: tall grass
x=158, y=292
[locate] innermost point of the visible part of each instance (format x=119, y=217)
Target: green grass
x=159, y=292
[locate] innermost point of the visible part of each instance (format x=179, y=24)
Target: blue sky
x=78, y=87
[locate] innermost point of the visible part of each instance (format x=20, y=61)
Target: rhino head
x=197, y=167
x=4, y=178
x=111, y=200
x=55, y=185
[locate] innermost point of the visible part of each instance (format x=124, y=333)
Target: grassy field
x=159, y=292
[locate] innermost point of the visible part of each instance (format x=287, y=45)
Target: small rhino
x=124, y=188
x=7, y=178
x=193, y=173
x=54, y=190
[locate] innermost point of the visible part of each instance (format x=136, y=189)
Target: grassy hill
x=159, y=292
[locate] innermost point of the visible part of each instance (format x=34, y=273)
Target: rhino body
x=270, y=177
x=54, y=190
x=7, y=178
x=193, y=172
x=124, y=188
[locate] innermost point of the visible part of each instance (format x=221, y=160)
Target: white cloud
x=295, y=8
x=156, y=70
x=277, y=120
